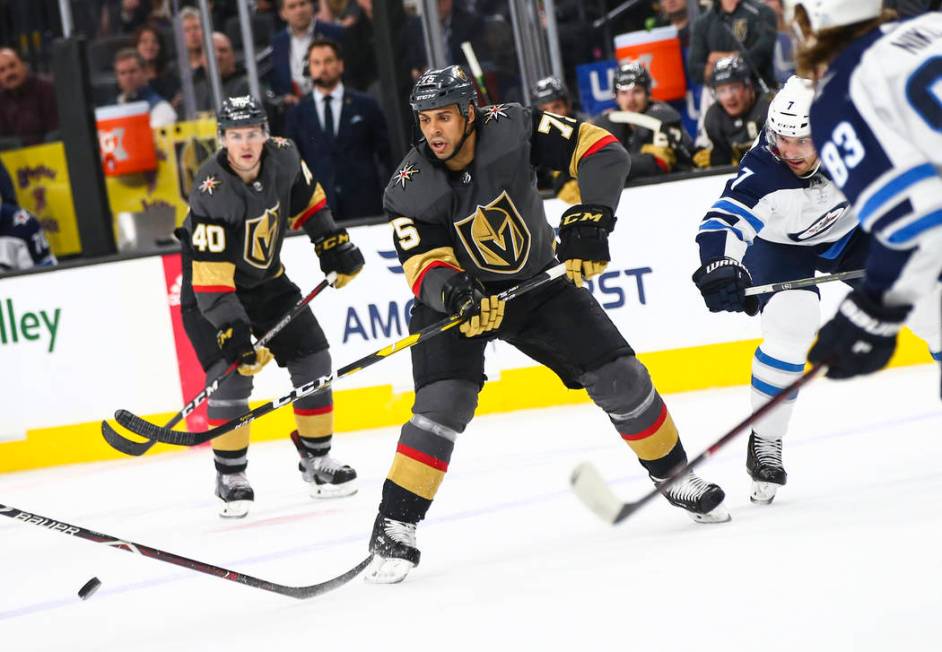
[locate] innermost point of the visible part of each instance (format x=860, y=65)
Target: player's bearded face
x=798, y=153
x=443, y=129
x=244, y=146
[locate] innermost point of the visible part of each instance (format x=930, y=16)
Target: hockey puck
x=89, y=588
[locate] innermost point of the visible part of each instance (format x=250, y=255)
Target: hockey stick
x=300, y=592
x=135, y=448
x=472, y=58
x=181, y=438
x=804, y=282
x=595, y=493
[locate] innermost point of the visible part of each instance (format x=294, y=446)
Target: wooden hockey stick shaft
x=805, y=282
x=136, y=449
x=299, y=592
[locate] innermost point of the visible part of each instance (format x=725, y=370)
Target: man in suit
x=342, y=136
x=288, y=78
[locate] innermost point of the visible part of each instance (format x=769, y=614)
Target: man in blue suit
x=289, y=46
x=342, y=136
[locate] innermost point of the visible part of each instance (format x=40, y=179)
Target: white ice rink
x=847, y=558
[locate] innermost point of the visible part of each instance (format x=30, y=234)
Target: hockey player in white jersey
x=877, y=121
x=790, y=219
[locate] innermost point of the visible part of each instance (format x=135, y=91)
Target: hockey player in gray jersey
x=794, y=221
x=244, y=200
x=468, y=223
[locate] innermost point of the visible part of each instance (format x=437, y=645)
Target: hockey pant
x=443, y=409
x=313, y=414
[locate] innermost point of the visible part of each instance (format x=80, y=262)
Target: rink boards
x=78, y=344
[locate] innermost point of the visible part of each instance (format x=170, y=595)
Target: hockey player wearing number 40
x=468, y=223
x=877, y=121
x=789, y=214
x=244, y=199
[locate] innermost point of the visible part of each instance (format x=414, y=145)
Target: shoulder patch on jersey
x=209, y=184
x=20, y=218
x=405, y=174
x=280, y=142
x=495, y=112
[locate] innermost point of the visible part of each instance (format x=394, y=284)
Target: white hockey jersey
x=877, y=124
x=767, y=201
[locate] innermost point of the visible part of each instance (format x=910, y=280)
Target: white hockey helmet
x=825, y=14
x=790, y=109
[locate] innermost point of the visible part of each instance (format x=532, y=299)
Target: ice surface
x=846, y=558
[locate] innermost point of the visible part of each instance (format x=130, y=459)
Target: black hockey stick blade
x=595, y=493
x=299, y=592
x=149, y=430
x=130, y=447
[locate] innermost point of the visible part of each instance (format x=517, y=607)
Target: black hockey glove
x=723, y=283
x=338, y=254
x=235, y=342
x=583, y=240
x=465, y=296
x=860, y=338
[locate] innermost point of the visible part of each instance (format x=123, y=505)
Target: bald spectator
x=129, y=70
x=27, y=103
x=232, y=77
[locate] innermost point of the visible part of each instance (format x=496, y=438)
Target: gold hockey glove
x=583, y=240
x=666, y=156
x=702, y=158
x=489, y=317
x=338, y=254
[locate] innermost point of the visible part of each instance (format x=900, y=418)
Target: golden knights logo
x=741, y=29
x=496, y=237
x=261, y=235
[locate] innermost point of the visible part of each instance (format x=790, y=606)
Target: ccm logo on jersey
x=821, y=224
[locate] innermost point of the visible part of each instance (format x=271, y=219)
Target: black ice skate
x=702, y=500
x=764, y=464
x=236, y=494
x=394, y=552
x=328, y=477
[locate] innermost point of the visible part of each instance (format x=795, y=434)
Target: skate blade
x=718, y=514
x=763, y=493
x=341, y=490
x=387, y=571
x=235, y=509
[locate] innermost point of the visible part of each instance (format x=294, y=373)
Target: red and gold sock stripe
x=417, y=472
x=655, y=441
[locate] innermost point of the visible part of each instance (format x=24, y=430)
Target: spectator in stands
x=23, y=244
x=192, y=37
x=360, y=70
x=27, y=103
x=733, y=27
x=650, y=131
x=673, y=12
x=7, y=193
x=734, y=121
x=342, y=136
x=132, y=81
x=123, y=16
x=289, y=47
x=160, y=72
x=457, y=26
x=551, y=95
x=783, y=60
x=231, y=76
